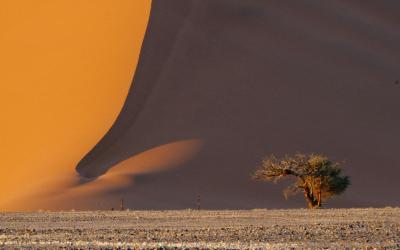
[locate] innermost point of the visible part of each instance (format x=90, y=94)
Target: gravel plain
x=370, y=228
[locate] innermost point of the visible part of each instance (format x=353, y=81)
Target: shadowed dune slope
x=250, y=78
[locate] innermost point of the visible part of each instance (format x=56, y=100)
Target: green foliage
x=316, y=176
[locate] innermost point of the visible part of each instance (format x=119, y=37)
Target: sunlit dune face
x=160, y=158
x=121, y=176
x=65, y=70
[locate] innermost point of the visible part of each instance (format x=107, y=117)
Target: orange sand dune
x=219, y=84
x=65, y=70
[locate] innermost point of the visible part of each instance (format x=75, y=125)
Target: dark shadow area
x=260, y=77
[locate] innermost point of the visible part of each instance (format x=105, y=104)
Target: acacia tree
x=315, y=176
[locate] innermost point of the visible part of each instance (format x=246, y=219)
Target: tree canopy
x=316, y=176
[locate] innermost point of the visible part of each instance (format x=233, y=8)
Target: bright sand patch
x=65, y=70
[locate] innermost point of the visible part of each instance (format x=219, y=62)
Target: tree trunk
x=319, y=199
x=309, y=198
x=319, y=193
x=312, y=202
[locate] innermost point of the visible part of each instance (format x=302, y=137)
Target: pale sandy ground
x=223, y=229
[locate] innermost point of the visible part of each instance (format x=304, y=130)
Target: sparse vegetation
x=315, y=176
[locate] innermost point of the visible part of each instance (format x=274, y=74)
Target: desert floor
x=242, y=229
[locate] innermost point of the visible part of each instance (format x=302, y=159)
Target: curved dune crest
x=260, y=77
x=157, y=159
